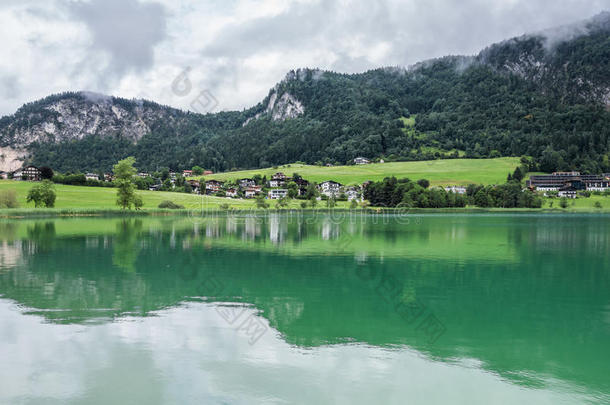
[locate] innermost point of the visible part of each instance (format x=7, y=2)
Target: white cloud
x=239, y=49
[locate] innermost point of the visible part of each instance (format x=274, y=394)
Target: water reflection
x=524, y=296
x=127, y=243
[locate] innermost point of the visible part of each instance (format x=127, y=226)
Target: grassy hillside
x=439, y=172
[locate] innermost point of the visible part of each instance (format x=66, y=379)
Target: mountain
x=544, y=95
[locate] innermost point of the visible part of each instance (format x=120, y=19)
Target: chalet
x=143, y=175
x=18, y=175
x=277, y=193
x=277, y=180
x=302, y=185
x=187, y=173
x=276, y=183
x=330, y=188
x=456, y=189
x=154, y=187
x=251, y=192
x=361, y=161
x=173, y=175
x=245, y=183
x=3, y=175
x=207, y=172
x=231, y=192
x=108, y=177
x=91, y=176
x=212, y=186
x=352, y=193
x=195, y=185
x=30, y=173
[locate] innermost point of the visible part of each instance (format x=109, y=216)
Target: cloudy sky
x=236, y=50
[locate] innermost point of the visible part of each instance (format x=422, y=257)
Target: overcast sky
x=238, y=49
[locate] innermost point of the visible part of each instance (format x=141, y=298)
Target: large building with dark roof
x=574, y=180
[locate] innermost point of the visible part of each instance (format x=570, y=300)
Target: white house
x=245, y=183
x=361, y=161
x=330, y=188
x=456, y=189
x=212, y=186
x=277, y=180
x=277, y=193
x=231, y=192
x=195, y=186
x=91, y=176
x=251, y=192
x=30, y=173
x=352, y=194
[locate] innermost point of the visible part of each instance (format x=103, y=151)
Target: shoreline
x=26, y=213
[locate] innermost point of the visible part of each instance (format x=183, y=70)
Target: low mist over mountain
x=545, y=95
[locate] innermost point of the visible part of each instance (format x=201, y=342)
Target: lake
x=292, y=308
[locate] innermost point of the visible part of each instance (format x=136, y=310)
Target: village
x=280, y=186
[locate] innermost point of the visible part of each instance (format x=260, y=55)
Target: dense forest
x=528, y=96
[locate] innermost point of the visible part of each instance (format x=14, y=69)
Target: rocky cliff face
x=280, y=107
x=73, y=116
x=11, y=159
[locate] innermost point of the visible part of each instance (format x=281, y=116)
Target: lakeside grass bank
x=22, y=213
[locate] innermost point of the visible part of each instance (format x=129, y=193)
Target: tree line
x=392, y=192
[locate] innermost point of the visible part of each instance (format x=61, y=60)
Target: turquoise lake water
x=430, y=309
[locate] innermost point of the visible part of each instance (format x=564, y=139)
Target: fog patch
x=555, y=36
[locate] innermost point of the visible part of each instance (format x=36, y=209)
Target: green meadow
x=81, y=197
x=581, y=204
x=439, y=172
